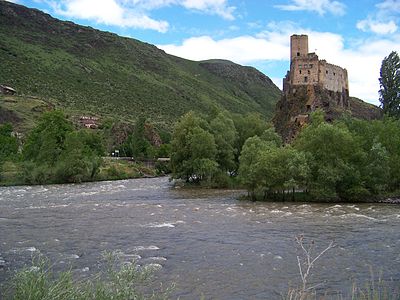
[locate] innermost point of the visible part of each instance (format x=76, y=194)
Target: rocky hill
x=84, y=70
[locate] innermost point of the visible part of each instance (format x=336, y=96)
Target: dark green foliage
x=85, y=70
x=348, y=160
x=194, y=151
x=137, y=146
x=81, y=157
x=54, y=152
x=225, y=135
x=164, y=150
x=268, y=169
x=248, y=126
x=335, y=157
x=8, y=143
x=209, y=151
x=46, y=141
x=390, y=85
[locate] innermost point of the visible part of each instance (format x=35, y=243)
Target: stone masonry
x=310, y=84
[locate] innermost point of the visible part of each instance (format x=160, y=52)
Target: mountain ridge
x=82, y=69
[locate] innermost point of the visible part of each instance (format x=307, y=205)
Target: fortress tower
x=298, y=45
x=306, y=69
x=310, y=84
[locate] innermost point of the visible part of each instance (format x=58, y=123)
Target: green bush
x=115, y=281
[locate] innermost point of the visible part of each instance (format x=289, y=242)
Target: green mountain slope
x=85, y=70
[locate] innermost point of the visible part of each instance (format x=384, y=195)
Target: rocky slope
x=87, y=71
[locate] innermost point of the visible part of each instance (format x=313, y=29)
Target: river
x=206, y=241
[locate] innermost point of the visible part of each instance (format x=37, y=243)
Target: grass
x=116, y=280
x=84, y=71
x=12, y=172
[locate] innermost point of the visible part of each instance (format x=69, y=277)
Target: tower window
x=298, y=53
x=300, y=71
x=326, y=71
x=305, y=79
x=308, y=71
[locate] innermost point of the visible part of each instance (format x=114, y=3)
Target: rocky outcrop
x=292, y=111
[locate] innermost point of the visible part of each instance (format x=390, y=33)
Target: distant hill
x=364, y=110
x=84, y=70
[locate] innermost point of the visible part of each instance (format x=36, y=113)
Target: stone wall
x=307, y=69
x=304, y=70
x=333, y=78
x=298, y=45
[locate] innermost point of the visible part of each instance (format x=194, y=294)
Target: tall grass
x=117, y=280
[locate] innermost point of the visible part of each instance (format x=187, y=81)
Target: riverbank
x=13, y=173
x=308, y=199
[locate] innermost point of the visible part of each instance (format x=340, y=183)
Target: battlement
x=307, y=69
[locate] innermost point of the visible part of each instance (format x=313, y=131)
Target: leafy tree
x=225, y=135
x=80, y=160
x=266, y=168
x=377, y=169
x=46, y=141
x=335, y=158
x=137, y=145
x=194, y=151
x=270, y=135
x=247, y=126
x=390, y=85
x=249, y=170
x=8, y=142
x=376, y=138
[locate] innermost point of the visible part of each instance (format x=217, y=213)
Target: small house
x=6, y=90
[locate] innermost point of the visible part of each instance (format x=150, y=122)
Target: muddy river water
x=207, y=242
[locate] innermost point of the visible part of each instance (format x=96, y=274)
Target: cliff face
x=292, y=111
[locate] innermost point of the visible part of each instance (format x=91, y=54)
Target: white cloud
x=319, y=6
x=377, y=27
x=135, y=13
x=389, y=6
x=383, y=20
x=108, y=12
x=242, y=49
x=217, y=7
x=212, y=7
x=363, y=60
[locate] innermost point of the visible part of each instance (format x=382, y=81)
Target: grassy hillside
x=81, y=69
x=364, y=110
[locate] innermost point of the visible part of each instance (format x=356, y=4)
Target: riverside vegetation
x=349, y=159
x=54, y=151
x=115, y=280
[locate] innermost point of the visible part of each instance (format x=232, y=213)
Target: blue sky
x=355, y=34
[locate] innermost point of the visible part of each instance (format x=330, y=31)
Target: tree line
x=348, y=159
x=55, y=151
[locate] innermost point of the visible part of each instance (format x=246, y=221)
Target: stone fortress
x=310, y=84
